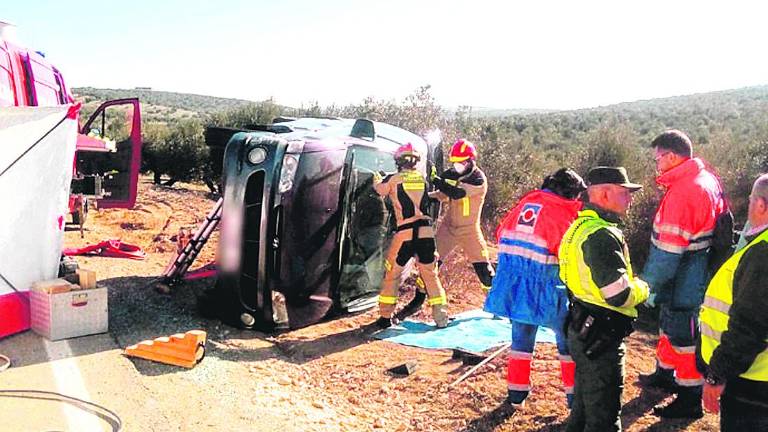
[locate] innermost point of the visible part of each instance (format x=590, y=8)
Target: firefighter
x=414, y=237
x=527, y=287
x=677, y=268
x=595, y=266
x=734, y=328
x=462, y=188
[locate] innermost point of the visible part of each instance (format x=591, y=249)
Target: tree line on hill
x=729, y=130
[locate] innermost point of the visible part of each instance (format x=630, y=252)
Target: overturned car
x=303, y=233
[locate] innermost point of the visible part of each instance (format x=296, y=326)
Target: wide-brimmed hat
x=611, y=175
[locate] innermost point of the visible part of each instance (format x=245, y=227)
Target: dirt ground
x=330, y=376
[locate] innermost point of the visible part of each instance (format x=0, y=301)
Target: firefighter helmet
x=407, y=153
x=462, y=150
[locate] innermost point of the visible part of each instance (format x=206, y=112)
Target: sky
x=538, y=54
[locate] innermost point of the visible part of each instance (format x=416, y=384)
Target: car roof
x=388, y=137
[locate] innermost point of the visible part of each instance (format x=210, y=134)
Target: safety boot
x=412, y=307
x=440, y=315
x=517, y=398
x=687, y=404
x=661, y=378
x=383, y=322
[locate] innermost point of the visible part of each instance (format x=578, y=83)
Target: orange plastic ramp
x=185, y=350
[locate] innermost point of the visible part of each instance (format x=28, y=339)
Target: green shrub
x=176, y=150
x=729, y=129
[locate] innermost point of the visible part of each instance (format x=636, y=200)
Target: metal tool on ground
x=181, y=263
x=404, y=369
x=185, y=350
x=479, y=365
x=467, y=358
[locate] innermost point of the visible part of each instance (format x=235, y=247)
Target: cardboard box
x=69, y=314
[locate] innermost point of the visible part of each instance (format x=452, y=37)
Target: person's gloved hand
x=651, y=301
x=433, y=174
x=439, y=182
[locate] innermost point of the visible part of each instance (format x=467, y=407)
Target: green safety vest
x=577, y=275
x=713, y=317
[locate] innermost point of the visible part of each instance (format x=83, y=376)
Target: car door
x=366, y=228
x=109, y=145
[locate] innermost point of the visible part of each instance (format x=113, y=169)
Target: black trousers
x=738, y=415
x=597, y=391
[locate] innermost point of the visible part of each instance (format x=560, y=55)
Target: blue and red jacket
x=686, y=216
x=676, y=269
x=527, y=287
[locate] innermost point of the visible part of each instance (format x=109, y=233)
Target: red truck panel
x=7, y=89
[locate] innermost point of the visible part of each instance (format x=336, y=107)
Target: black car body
x=303, y=233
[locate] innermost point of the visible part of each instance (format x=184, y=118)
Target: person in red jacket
x=677, y=270
x=527, y=288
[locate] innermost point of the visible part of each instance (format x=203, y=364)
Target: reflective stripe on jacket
x=686, y=215
x=579, y=277
x=407, y=192
x=527, y=287
x=465, y=212
x=714, y=315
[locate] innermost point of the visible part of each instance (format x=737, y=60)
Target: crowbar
x=479, y=365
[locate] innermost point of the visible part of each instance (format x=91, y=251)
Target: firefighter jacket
x=682, y=233
x=527, y=286
x=407, y=190
x=465, y=195
x=595, y=266
x=734, y=322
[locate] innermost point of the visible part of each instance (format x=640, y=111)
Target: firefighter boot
x=687, y=404
x=412, y=307
x=661, y=378
x=383, y=322
x=440, y=315
x=485, y=273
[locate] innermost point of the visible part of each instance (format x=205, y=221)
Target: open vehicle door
x=109, y=154
x=366, y=228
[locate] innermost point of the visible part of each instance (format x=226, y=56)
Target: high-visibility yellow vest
x=577, y=275
x=713, y=317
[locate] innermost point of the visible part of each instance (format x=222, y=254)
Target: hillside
x=729, y=129
x=162, y=105
x=722, y=104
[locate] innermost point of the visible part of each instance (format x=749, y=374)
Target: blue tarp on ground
x=473, y=330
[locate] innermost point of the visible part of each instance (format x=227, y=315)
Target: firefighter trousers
x=405, y=246
x=471, y=241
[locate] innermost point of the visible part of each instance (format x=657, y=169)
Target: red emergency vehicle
x=108, y=152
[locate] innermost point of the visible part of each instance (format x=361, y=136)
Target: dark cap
x=565, y=182
x=611, y=175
